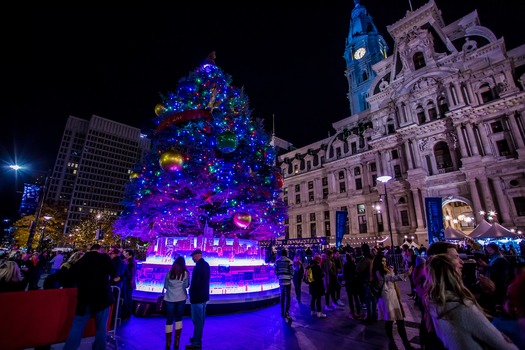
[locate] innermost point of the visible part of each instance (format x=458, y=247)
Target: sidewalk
x=264, y=329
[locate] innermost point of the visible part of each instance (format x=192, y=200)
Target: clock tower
x=364, y=47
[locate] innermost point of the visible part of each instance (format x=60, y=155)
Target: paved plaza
x=264, y=329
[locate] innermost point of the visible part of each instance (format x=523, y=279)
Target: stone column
x=384, y=165
x=482, y=129
x=515, y=130
x=412, y=212
x=408, y=151
x=471, y=94
x=476, y=203
x=472, y=140
x=379, y=164
x=459, y=93
x=487, y=196
x=503, y=203
x=449, y=95
x=420, y=220
x=417, y=154
x=461, y=139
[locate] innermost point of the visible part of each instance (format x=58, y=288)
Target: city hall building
x=442, y=116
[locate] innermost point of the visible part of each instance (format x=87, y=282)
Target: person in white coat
x=453, y=311
x=176, y=284
x=389, y=303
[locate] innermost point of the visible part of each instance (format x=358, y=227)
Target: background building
x=93, y=164
x=443, y=115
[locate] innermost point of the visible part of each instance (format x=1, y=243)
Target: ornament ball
x=171, y=161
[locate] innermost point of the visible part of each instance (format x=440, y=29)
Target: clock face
x=359, y=53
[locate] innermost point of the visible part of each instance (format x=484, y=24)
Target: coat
x=389, y=305
x=466, y=327
x=92, y=274
x=316, y=288
x=200, y=282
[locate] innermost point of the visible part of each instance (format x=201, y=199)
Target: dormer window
x=419, y=60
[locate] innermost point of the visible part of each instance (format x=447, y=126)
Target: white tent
x=454, y=235
x=480, y=229
x=497, y=231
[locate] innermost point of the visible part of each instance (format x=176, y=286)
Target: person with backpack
x=316, y=287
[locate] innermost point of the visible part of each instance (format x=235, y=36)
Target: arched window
x=431, y=110
x=443, y=106
x=315, y=160
x=486, y=93
x=420, y=112
x=390, y=126
x=443, y=158
x=364, y=76
x=419, y=60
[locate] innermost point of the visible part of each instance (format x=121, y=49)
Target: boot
x=178, y=332
x=169, y=332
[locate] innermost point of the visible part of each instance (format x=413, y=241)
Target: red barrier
x=39, y=317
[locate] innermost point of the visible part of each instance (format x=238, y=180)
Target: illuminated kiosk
x=240, y=278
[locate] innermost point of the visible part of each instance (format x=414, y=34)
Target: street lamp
x=99, y=233
x=40, y=204
x=384, y=179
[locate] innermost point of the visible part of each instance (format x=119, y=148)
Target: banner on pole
x=340, y=225
x=436, y=230
x=30, y=199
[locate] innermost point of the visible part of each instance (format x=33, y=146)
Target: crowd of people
x=467, y=301
x=470, y=296
x=93, y=272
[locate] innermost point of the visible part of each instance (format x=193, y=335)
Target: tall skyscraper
x=93, y=164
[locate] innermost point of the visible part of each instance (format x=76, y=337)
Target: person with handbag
x=176, y=284
x=389, y=302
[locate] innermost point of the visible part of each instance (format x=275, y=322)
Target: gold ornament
x=134, y=175
x=160, y=110
x=171, y=160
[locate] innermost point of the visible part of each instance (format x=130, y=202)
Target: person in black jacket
x=92, y=276
x=316, y=288
x=199, y=295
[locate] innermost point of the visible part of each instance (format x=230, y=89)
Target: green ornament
x=227, y=142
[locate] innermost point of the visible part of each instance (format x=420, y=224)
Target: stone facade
x=444, y=117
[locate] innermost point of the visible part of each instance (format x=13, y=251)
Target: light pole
x=46, y=218
x=384, y=179
x=42, y=193
x=99, y=233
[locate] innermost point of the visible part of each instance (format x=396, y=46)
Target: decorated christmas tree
x=211, y=163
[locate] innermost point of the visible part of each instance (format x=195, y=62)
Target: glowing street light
x=384, y=179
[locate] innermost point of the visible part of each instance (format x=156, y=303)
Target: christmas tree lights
x=210, y=162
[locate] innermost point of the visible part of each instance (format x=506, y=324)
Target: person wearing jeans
x=79, y=323
x=175, y=283
x=199, y=296
x=284, y=272
x=92, y=277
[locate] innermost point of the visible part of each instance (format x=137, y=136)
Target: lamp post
x=384, y=179
x=46, y=218
x=40, y=204
x=99, y=233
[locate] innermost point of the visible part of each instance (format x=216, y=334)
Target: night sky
x=115, y=61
